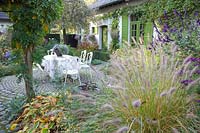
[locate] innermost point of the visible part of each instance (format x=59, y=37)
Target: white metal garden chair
x=50, y=52
x=87, y=64
x=73, y=70
x=83, y=56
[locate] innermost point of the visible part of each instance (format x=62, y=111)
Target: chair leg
x=79, y=79
x=65, y=80
x=90, y=73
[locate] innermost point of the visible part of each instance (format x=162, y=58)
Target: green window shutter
x=96, y=30
x=124, y=28
x=148, y=32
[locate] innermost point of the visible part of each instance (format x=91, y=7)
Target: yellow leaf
x=44, y=130
x=25, y=129
x=13, y=126
x=34, y=17
x=45, y=27
x=37, y=105
x=43, y=120
x=18, y=45
x=52, y=118
x=39, y=97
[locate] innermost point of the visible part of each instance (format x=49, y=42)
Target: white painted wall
x=100, y=37
x=120, y=30
x=109, y=33
x=99, y=24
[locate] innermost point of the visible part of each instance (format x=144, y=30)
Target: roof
x=102, y=3
x=3, y=16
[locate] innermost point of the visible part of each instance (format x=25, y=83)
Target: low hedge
x=101, y=55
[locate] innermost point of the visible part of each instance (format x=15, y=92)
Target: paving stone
x=9, y=88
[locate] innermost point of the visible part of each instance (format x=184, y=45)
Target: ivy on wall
x=154, y=9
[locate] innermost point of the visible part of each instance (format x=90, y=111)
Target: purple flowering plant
x=183, y=28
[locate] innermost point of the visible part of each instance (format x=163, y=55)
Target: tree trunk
x=64, y=35
x=28, y=77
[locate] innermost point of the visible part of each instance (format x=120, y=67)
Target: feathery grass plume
x=115, y=122
x=148, y=75
x=164, y=93
x=137, y=103
x=171, y=90
x=107, y=107
x=123, y=129
x=174, y=130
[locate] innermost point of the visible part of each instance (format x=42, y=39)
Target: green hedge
x=9, y=70
x=97, y=54
x=101, y=55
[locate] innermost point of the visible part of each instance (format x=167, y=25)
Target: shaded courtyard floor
x=10, y=88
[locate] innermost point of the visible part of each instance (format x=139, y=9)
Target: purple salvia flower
x=197, y=72
x=186, y=82
x=198, y=22
x=137, y=103
x=180, y=72
x=164, y=30
x=198, y=101
x=177, y=13
x=166, y=27
x=165, y=14
x=197, y=64
x=196, y=13
x=173, y=30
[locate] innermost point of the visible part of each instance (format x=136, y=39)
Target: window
x=136, y=28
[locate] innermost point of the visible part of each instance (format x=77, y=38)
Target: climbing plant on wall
x=167, y=13
x=31, y=20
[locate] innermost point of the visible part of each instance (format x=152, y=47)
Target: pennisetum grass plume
x=152, y=88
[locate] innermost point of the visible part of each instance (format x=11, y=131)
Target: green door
x=104, y=37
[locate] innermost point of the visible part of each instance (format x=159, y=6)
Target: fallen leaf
x=13, y=126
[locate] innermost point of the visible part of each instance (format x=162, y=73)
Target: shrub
x=101, y=55
x=184, y=29
x=15, y=106
x=152, y=98
x=74, y=51
x=96, y=62
x=10, y=69
x=43, y=114
x=41, y=50
x=88, y=46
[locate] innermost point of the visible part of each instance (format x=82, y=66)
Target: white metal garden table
x=55, y=65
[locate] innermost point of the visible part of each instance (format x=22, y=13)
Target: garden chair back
x=83, y=56
x=89, y=58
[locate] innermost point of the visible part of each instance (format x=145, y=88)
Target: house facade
x=129, y=25
x=4, y=22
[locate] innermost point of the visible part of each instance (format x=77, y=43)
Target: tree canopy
x=76, y=14
x=31, y=20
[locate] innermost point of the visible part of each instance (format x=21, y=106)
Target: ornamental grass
x=150, y=95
